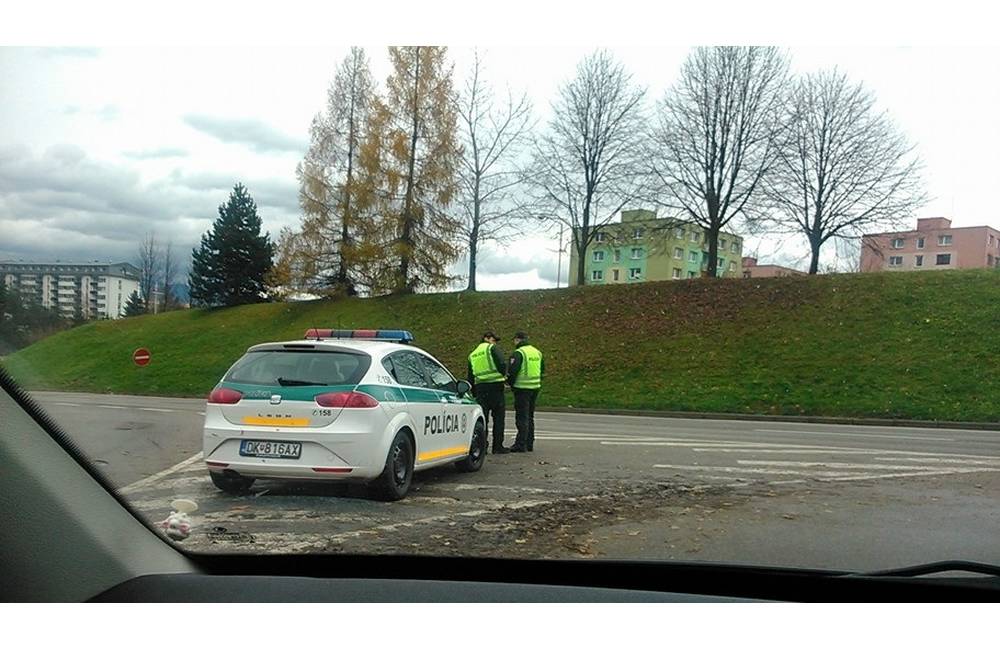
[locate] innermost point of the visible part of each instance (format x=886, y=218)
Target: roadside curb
x=754, y=417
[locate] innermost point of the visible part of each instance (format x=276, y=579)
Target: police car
x=347, y=405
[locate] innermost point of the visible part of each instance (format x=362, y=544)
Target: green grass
x=899, y=345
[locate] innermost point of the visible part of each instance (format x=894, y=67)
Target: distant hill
x=909, y=345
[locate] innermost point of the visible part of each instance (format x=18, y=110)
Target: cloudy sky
x=99, y=146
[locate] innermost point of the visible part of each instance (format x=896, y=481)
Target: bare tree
x=169, y=275
x=492, y=137
x=843, y=169
x=589, y=164
x=715, y=141
x=148, y=261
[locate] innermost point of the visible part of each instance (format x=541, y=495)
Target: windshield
x=302, y=368
x=726, y=304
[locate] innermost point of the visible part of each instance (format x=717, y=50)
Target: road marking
x=149, y=480
x=143, y=408
x=837, y=451
x=200, y=412
x=63, y=404
x=749, y=470
x=869, y=466
x=907, y=474
x=108, y=406
x=855, y=435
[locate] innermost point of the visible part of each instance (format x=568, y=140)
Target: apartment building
x=642, y=248
x=934, y=245
x=92, y=290
x=751, y=269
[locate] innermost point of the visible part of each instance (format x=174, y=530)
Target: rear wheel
x=231, y=483
x=477, y=450
x=394, y=482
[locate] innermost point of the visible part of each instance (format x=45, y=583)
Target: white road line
x=149, y=480
x=748, y=470
x=143, y=408
x=837, y=451
x=863, y=477
x=63, y=404
x=964, y=461
x=868, y=466
x=200, y=412
x=855, y=435
x=600, y=439
x=108, y=406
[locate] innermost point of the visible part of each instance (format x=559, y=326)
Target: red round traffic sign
x=141, y=357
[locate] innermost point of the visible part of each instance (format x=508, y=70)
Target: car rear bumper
x=324, y=456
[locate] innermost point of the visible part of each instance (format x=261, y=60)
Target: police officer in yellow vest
x=487, y=369
x=525, y=376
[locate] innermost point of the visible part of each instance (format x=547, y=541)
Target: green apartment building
x=643, y=248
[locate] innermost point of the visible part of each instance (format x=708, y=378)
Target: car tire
x=396, y=477
x=231, y=483
x=477, y=450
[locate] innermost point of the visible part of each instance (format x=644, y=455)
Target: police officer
x=525, y=376
x=487, y=369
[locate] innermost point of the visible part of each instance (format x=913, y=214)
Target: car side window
x=387, y=364
x=410, y=369
x=440, y=378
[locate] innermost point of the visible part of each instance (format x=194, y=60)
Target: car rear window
x=291, y=367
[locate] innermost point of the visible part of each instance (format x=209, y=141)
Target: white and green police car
x=347, y=405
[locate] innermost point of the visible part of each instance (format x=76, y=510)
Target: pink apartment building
x=933, y=245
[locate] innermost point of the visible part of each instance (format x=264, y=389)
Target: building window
x=597, y=275
x=944, y=240
x=636, y=253
x=896, y=261
x=920, y=242
x=633, y=274
x=618, y=255
x=614, y=275
x=944, y=260
x=692, y=274
x=693, y=257
x=695, y=237
x=735, y=248
x=678, y=253
x=637, y=233
x=676, y=274
x=598, y=237
x=678, y=233
x=732, y=266
x=720, y=262
x=722, y=244
x=598, y=256
x=898, y=243
x=919, y=260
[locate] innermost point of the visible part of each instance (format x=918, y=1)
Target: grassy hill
x=908, y=345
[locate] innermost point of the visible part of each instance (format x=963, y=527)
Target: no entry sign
x=141, y=357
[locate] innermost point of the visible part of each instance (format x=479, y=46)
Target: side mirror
x=463, y=387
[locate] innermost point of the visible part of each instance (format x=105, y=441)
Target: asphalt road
x=853, y=497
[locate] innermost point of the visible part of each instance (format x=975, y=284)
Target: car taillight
x=224, y=396
x=347, y=400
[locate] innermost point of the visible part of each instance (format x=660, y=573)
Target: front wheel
x=394, y=481
x=477, y=450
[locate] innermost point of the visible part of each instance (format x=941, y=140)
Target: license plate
x=270, y=449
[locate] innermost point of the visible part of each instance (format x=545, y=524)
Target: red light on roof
x=313, y=333
x=365, y=334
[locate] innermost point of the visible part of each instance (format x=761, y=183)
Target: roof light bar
x=396, y=336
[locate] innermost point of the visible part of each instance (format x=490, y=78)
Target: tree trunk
x=407, y=235
x=472, y=259
x=814, y=245
x=345, y=232
x=474, y=237
x=580, y=241
x=713, y=252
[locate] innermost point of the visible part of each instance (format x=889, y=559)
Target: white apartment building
x=95, y=290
